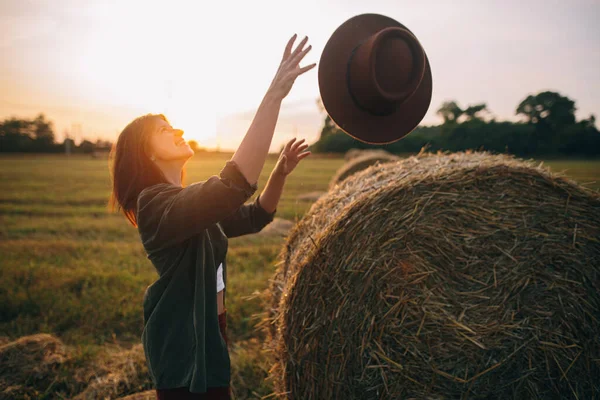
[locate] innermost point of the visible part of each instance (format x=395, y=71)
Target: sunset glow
x=100, y=64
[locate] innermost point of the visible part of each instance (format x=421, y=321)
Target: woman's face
x=167, y=143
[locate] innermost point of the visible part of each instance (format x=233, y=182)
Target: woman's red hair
x=130, y=166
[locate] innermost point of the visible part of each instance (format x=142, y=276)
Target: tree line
x=37, y=136
x=548, y=128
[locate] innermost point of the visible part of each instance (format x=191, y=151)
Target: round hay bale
x=448, y=276
x=353, y=153
x=358, y=164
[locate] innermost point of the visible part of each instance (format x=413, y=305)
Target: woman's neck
x=171, y=170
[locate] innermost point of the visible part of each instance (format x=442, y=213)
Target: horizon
x=98, y=65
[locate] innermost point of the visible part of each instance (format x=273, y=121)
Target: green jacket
x=184, y=232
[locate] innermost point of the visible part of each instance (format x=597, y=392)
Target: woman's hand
x=290, y=157
x=252, y=153
x=289, y=69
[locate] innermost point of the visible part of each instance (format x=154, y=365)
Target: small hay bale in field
x=147, y=395
x=353, y=153
x=277, y=227
x=441, y=276
x=358, y=164
x=310, y=196
x=116, y=373
x=30, y=364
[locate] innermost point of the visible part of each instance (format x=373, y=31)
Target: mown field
x=71, y=268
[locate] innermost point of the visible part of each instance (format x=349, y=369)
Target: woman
x=184, y=232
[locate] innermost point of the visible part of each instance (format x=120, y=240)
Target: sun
x=182, y=61
x=152, y=60
x=198, y=121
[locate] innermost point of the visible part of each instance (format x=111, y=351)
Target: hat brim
x=338, y=101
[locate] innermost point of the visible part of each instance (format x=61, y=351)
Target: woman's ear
x=148, y=152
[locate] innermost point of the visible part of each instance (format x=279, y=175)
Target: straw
x=441, y=276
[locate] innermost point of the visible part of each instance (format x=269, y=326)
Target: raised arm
x=251, y=218
x=168, y=214
x=252, y=152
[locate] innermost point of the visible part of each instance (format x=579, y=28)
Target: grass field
x=70, y=268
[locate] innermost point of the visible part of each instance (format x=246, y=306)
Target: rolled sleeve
x=249, y=218
x=263, y=217
x=232, y=176
x=168, y=214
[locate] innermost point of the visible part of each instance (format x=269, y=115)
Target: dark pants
x=216, y=393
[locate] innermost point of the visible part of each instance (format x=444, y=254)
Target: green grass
x=586, y=172
x=70, y=268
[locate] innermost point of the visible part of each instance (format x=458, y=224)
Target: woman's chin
x=182, y=153
x=190, y=151
x=185, y=151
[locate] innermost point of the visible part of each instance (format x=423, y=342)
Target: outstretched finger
x=299, y=48
x=288, y=145
x=301, y=148
x=288, y=48
x=298, y=143
x=295, y=59
x=302, y=70
x=303, y=155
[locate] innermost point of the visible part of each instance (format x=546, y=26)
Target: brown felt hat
x=375, y=79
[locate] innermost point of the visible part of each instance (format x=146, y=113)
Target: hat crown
x=385, y=70
x=393, y=65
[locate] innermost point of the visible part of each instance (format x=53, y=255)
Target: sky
x=92, y=66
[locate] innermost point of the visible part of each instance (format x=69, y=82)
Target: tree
x=548, y=109
x=194, y=145
x=42, y=129
x=450, y=111
x=551, y=114
x=42, y=133
x=14, y=135
x=471, y=111
x=590, y=122
x=24, y=135
x=329, y=127
x=103, y=145
x=86, y=147
x=579, y=139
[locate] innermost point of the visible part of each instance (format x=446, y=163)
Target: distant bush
x=549, y=129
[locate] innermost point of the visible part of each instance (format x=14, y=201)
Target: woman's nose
x=178, y=132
